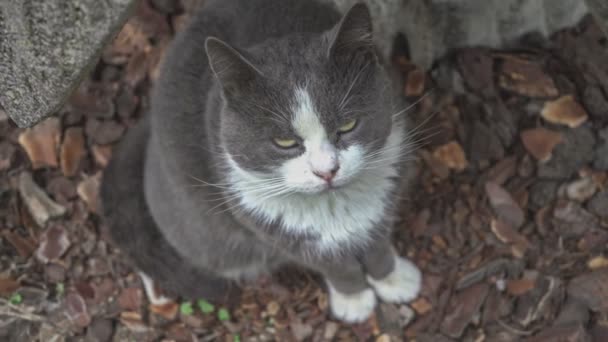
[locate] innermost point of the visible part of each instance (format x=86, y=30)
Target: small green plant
x=205, y=306
x=15, y=299
x=237, y=338
x=223, y=315
x=60, y=289
x=186, y=308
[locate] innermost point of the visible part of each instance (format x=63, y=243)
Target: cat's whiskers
x=425, y=95
x=350, y=88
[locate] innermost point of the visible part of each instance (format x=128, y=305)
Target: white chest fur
x=340, y=217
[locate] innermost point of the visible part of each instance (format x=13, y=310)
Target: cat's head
x=305, y=113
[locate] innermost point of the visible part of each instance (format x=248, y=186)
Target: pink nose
x=327, y=175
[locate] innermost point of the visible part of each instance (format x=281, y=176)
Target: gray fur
x=182, y=216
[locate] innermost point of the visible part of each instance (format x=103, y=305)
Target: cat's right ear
x=232, y=69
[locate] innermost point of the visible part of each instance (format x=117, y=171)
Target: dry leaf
x=564, y=111
x=540, y=142
x=414, y=85
x=505, y=233
x=526, y=78
x=72, y=151
x=451, y=155
x=40, y=143
x=421, y=306
x=88, y=190
x=53, y=245
x=597, y=262
x=168, y=310
x=504, y=205
x=520, y=286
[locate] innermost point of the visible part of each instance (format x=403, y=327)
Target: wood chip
x=505, y=207
x=505, y=233
x=520, y=286
x=581, y=189
x=564, y=111
x=40, y=206
x=597, y=262
x=592, y=289
x=465, y=305
x=540, y=142
x=76, y=310
x=526, y=78
x=24, y=246
x=40, y=143
x=8, y=286
x=88, y=190
x=54, y=243
x=414, y=85
x=451, y=155
x=168, y=310
x=72, y=151
x=421, y=306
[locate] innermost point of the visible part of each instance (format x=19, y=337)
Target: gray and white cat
x=273, y=138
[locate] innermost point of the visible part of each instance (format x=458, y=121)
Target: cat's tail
x=130, y=226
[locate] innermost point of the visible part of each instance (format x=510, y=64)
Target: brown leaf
x=563, y=333
x=464, y=306
x=72, y=151
x=133, y=321
x=505, y=207
x=451, y=155
x=24, y=246
x=54, y=243
x=505, y=233
x=130, y=299
x=102, y=154
x=40, y=206
x=76, y=310
x=414, y=85
x=88, y=190
x=168, y=310
x=540, y=142
x=8, y=286
x=40, y=143
x=7, y=154
x=592, y=289
x=520, y=286
x=581, y=189
x=104, y=132
x=564, y=111
x=526, y=78
x=597, y=262
x=571, y=220
x=421, y=306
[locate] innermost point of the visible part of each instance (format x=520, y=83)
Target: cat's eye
x=285, y=143
x=347, y=127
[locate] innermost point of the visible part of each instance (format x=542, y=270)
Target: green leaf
x=205, y=306
x=186, y=308
x=60, y=289
x=15, y=299
x=237, y=338
x=223, y=314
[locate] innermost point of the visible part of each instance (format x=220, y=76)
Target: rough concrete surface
x=47, y=46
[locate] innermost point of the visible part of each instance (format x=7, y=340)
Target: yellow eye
x=285, y=143
x=348, y=126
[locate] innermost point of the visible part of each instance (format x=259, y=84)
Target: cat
x=434, y=27
x=274, y=138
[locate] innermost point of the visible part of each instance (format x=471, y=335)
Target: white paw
x=401, y=285
x=351, y=308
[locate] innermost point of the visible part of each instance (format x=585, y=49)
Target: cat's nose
x=327, y=175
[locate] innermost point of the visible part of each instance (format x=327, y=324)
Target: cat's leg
x=350, y=298
x=394, y=279
x=152, y=292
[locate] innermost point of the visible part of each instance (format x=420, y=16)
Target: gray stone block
x=46, y=47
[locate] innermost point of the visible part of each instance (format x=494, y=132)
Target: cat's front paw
x=401, y=285
x=351, y=308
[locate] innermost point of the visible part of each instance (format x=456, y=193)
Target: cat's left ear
x=353, y=34
x=231, y=68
